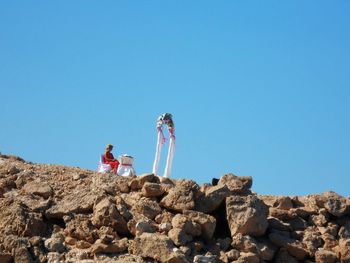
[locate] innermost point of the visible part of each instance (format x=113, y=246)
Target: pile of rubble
x=52, y=213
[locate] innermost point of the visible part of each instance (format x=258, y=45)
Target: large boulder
x=237, y=184
x=138, y=182
x=152, y=190
x=336, y=205
x=184, y=229
x=147, y=207
x=212, y=198
x=105, y=213
x=17, y=219
x=206, y=222
x=281, y=214
x=38, y=188
x=18, y=246
x=281, y=202
x=80, y=201
x=246, y=215
x=80, y=228
x=312, y=239
x=181, y=197
x=35, y=203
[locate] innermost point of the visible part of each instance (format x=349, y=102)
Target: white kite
x=166, y=119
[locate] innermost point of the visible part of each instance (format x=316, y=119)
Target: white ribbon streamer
x=169, y=161
x=165, y=118
x=158, y=151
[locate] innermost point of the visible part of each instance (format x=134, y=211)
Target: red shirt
x=107, y=157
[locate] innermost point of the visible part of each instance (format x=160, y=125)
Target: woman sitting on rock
x=108, y=158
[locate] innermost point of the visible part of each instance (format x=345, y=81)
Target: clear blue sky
x=258, y=88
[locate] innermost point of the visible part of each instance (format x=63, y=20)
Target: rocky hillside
x=52, y=213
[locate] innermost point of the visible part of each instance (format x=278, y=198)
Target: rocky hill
x=52, y=213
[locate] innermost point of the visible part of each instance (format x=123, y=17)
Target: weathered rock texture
x=52, y=213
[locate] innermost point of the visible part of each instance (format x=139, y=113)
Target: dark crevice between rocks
x=32, y=256
x=51, y=222
x=222, y=229
x=125, y=235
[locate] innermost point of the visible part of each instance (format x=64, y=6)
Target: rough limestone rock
x=344, y=231
x=147, y=207
x=344, y=250
x=145, y=227
x=312, y=239
x=325, y=256
x=237, y=184
x=52, y=214
x=80, y=228
x=184, y=229
x=206, y=222
x=138, y=182
x=248, y=258
x=156, y=246
x=37, y=188
x=117, y=246
x=81, y=201
x=246, y=215
x=105, y=213
x=22, y=255
x=294, y=247
x=212, y=198
x=336, y=205
x=55, y=244
x=280, y=202
x=181, y=197
x=152, y=190
x=245, y=244
x=17, y=219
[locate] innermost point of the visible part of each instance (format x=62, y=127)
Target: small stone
x=152, y=190
x=232, y=255
x=13, y=170
x=55, y=244
x=325, y=256
x=205, y=259
x=82, y=244
x=70, y=241
x=164, y=227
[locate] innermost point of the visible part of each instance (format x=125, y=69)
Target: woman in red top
x=108, y=158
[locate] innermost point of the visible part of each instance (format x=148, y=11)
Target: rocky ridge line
x=53, y=213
